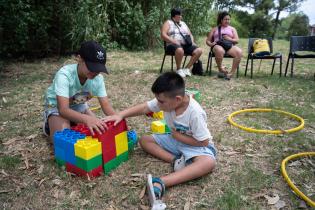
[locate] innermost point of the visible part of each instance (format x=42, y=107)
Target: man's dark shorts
x=171, y=48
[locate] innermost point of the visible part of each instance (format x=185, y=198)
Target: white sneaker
x=181, y=73
x=187, y=72
x=179, y=163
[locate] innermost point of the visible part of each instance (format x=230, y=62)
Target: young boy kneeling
x=189, y=146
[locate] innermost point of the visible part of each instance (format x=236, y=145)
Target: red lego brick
x=80, y=172
x=108, y=155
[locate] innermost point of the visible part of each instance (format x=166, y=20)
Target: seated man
x=173, y=32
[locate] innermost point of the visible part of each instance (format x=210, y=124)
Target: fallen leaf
x=31, y=136
x=187, y=205
x=302, y=205
x=57, y=182
x=12, y=140
x=143, y=207
x=4, y=100
x=142, y=193
x=280, y=204
x=41, y=181
x=40, y=169
x=272, y=200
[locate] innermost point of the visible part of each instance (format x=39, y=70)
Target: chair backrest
x=251, y=42
x=302, y=43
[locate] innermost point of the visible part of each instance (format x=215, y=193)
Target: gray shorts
x=54, y=111
x=178, y=148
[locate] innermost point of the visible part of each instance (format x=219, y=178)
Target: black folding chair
x=209, y=63
x=252, y=56
x=300, y=43
x=170, y=54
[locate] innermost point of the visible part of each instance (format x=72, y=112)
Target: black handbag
x=226, y=44
x=187, y=37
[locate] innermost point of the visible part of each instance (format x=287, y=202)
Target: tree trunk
x=276, y=23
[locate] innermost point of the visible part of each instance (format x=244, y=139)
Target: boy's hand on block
x=115, y=118
x=96, y=124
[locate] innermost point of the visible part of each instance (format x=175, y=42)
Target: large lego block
x=80, y=172
x=111, y=165
x=90, y=164
x=194, y=93
x=65, y=140
x=156, y=115
x=108, y=155
x=59, y=162
x=122, y=157
x=60, y=153
x=131, y=146
x=121, y=142
x=159, y=126
x=87, y=148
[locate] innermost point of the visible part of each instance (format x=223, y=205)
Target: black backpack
x=197, y=68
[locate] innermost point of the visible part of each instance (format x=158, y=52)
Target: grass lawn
x=248, y=169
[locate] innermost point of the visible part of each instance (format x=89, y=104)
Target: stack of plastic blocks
x=87, y=155
x=160, y=127
x=156, y=115
x=195, y=93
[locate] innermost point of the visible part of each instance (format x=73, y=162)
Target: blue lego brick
x=60, y=153
x=65, y=140
x=132, y=136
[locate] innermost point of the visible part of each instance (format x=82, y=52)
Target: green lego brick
x=90, y=164
x=60, y=162
x=195, y=92
x=167, y=129
x=111, y=165
x=123, y=157
x=131, y=146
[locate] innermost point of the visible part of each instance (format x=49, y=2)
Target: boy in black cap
x=72, y=87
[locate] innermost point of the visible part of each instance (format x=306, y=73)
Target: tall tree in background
x=284, y=5
x=299, y=26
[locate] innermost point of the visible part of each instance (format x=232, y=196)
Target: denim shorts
x=177, y=148
x=55, y=112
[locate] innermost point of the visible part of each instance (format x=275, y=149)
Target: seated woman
x=173, y=32
x=225, y=32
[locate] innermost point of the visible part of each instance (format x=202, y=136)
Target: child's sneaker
x=187, y=72
x=179, y=163
x=181, y=73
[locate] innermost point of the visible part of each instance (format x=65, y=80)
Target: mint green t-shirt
x=67, y=84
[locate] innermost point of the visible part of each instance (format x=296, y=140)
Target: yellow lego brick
x=158, y=127
x=121, y=142
x=87, y=148
x=158, y=115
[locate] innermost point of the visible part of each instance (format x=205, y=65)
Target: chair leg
x=162, y=64
x=273, y=65
x=280, y=74
x=246, y=66
x=184, y=61
x=237, y=70
x=172, y=64
x=251, y=68
x=292, y=66
x=286, y=68
x=208, y=63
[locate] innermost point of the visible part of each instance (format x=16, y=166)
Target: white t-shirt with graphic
x=192, y=122
x=67, y=84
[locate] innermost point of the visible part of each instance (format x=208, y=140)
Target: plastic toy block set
x=86, y=155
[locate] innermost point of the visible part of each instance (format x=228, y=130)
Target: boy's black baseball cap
x=94, y=56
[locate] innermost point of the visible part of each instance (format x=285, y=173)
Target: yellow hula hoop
x=253, y=130
x=288, y=180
